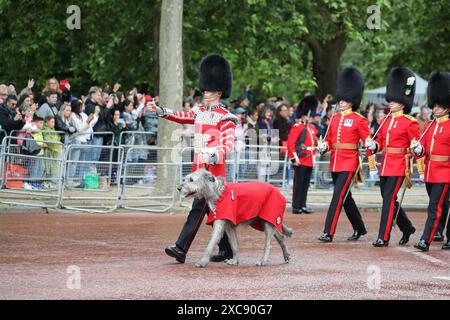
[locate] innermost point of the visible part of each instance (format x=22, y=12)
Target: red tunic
x=437, y=142
x=213, y=131
x=244, y=201
x=397, y=132
x=310, y=143
x=348, y=127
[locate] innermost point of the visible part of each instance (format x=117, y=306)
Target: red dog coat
x=244, y=201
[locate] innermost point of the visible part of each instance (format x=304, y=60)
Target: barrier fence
x=101, y=177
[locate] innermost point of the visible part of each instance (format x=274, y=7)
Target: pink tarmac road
x=121, y=256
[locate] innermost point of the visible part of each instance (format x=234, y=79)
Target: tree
x=171, y=78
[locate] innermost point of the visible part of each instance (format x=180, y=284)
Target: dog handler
x=213, y=139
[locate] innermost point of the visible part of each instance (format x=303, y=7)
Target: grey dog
x=204, y=185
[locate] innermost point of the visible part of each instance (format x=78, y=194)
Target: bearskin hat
x=438, y=91
x=401, y=87
x=308, y=103
x=216, y=75
x=350, y=87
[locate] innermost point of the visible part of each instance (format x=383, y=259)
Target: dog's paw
x=232, y=262
x=287, y=258
x=261, y=263
x=201, y=264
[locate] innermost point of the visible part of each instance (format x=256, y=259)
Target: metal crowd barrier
x=103, y=178
x=31, y=180
x=90, y=184
x=263, y=163
x=149, y=184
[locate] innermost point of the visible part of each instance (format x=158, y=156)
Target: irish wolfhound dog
x=255, y=203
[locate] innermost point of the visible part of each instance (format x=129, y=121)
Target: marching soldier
x=213, y=140
x=435, y=145
x=345, y=131
x=394, y=139
x=301, y=145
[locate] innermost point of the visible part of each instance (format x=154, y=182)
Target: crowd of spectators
x=97, y=119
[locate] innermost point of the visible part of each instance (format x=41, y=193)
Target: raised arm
x=175, y=116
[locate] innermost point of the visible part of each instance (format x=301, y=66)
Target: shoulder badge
x=230, y=117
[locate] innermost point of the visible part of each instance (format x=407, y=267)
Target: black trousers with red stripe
x=302, y=178
x=445, y=213
x=439, y=194
x=193, y=222
x=342, y=181
x=389, y=187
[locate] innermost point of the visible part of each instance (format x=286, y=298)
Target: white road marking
x=423, y=256
x=442, y=278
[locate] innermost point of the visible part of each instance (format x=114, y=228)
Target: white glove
x=417, y=148
x=371, y=145
x=323, y=147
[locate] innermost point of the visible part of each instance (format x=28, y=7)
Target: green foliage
x=414, y=33
x=115, y=42
x=263, y=39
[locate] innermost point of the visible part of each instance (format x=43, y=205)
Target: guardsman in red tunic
x=435, y=146
x=394, y=139
x=345, y=132
x=301, y=145
x=213, y=139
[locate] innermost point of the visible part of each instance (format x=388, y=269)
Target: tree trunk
x=326, y=60
x=170, y=84
x=156, y=26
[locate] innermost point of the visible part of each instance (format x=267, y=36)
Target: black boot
x=307, y=210
x=221, y=256
x=422, y=245
x=446, y=246
x=297, y=211
x=177, y=253
x=380, y=243
x=406, y=235
x=356, y=235
x=438, y=237
x=225, y=251
x=326, y=237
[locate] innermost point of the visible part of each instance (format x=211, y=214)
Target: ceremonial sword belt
x=437, y=158
x=345, y=146
x=392, y=150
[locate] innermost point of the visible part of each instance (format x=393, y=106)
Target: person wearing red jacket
x=345, y=131
x=435, y=145
x=394, y=139
x=301, y=145
x=213, y=139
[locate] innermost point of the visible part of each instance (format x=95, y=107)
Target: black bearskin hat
x=350, y=87
x=308, y=103
x=216, y=75
x=401, y=87
x=438, y=91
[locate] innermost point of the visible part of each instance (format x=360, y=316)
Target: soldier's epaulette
x=359, y=114
x=410, y=118
x=230, y=117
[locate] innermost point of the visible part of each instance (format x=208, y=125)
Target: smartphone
x=120, y=121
